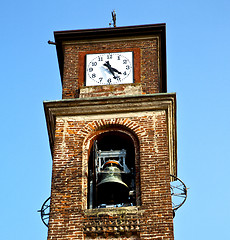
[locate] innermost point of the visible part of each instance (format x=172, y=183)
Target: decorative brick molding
x=105, y=123
x=121, y=222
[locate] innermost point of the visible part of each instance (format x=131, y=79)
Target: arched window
x=111, y=170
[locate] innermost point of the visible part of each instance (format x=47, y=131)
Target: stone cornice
x=116, y=105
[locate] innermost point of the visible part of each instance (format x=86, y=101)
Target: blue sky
x=198, y=70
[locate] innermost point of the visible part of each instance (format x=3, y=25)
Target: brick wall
x=150, y=219
x=137, y=110
x=147, y=75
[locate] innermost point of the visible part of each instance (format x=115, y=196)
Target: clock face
x=109, y=68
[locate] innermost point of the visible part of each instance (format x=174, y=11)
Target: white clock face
x=109, y=68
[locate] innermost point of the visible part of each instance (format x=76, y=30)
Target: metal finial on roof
x=114, y=17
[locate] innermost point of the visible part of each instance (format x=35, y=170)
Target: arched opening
x=111, y=170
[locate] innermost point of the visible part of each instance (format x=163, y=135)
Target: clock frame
x=135, y=64
x=109, y=68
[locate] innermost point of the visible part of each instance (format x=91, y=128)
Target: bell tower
x=112, y=136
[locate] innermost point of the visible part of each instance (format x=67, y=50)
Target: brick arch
x=98, y=125
x=95, y=128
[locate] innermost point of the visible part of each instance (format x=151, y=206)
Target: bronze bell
x=111, y=189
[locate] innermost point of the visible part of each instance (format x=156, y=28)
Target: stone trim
x=98, y=107
x=117, y=221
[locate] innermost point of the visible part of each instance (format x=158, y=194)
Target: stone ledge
x=110, y=90
x=111, y=211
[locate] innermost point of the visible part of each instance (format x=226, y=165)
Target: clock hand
x=115, y=70
x=107, y=64
x=111, y=69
